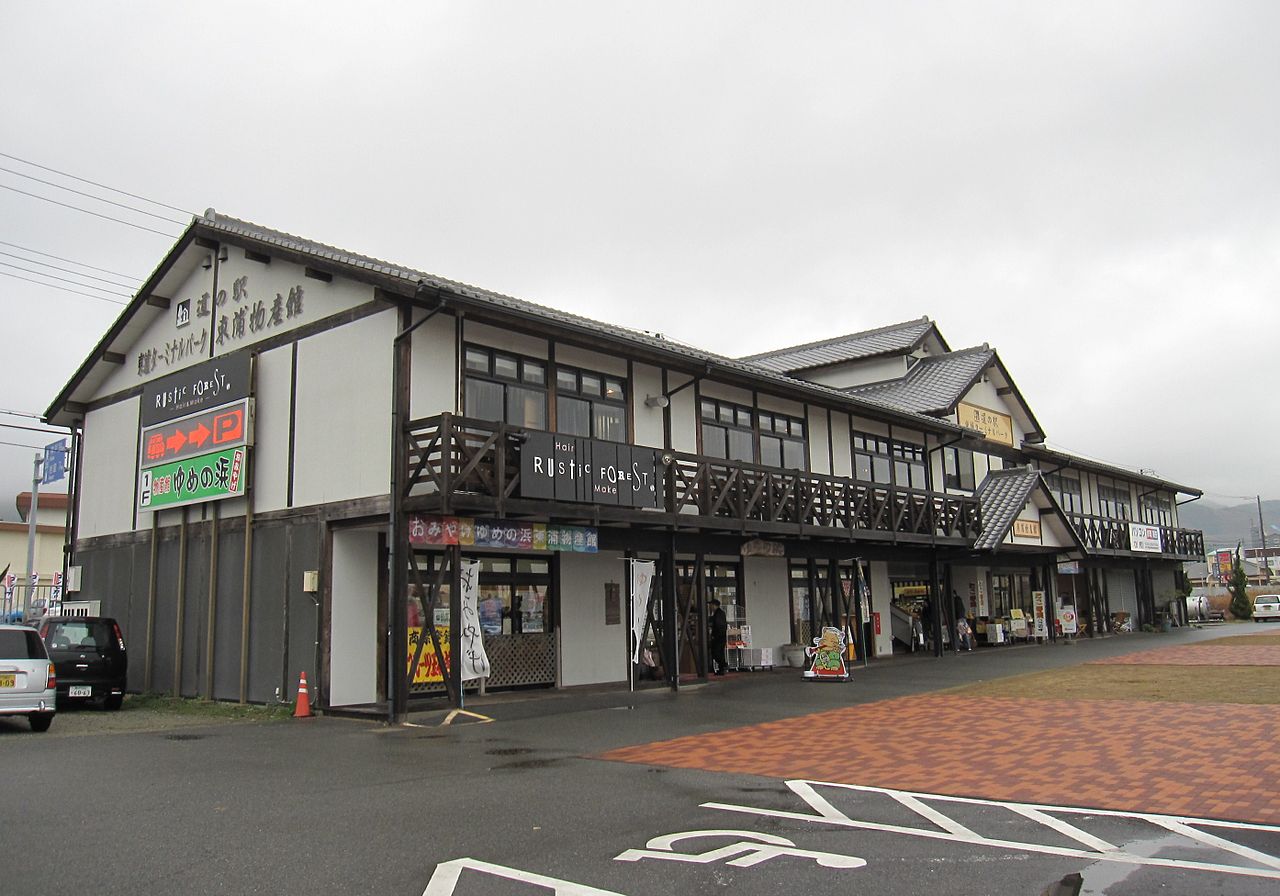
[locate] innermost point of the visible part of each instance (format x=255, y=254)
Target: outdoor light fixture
x=656, y=401
x=667, y=458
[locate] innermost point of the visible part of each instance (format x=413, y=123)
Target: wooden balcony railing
x=456, y=462
x=1104, y=533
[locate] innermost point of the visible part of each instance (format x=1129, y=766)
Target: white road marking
x=927, y=806
x=445, y=879
x=744, y=853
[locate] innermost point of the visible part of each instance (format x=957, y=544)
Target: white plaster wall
x=518, y=343
x=781, y=405
x=108, y=472
x=585, y=359
x=768, y=601
x=684, y=420
x=648, y=421
x=590, y=651
x=433, y=377
x=842, y=445
x=872, y=370
x=819, y=441
x=881, y=594
x=961, y=578
x=723, y=392
x=353, y=615
x=269, y=458
x=343, y=430
x=871, y=427
x=264, y=282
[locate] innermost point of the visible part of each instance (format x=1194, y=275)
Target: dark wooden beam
x=257, y=256
x=113, y=357
x=158, y=301
x=315, y=274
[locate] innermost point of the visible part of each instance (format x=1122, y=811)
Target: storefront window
x=728, y=432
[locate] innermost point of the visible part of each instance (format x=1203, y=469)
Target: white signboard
x=1067, y=619
x=982, y=598
x=1144, y=538
x=475, y=662
x=641, y=582
x=1040, y=626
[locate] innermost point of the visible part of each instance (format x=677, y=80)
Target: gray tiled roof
x=932, y=385
x=1002, y=496
x=901, y=337
x=236, y=227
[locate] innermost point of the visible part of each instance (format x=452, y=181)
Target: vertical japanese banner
x=1041, y=629
x=475, y=662
x=641, y=581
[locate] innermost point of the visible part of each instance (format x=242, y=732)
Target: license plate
x=8, y=680
x=80, y=690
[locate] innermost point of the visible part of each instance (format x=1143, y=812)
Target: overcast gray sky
x=1091, y=188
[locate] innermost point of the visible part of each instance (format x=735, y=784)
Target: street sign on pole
x=55, y=462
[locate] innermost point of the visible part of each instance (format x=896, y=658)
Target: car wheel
x=113, y=702
x=40, y=721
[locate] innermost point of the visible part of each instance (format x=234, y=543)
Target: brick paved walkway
x=1173, y=758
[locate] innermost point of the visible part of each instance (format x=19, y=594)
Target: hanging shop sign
x=642, y=575
x=1026, y=528
x=502, y=534
x=208, y=477
x=588, y=471
x=1144, y=538
x=994, y=425
x=197, y=388
x=227, y=426
x=758, y=547
x=1069, y=567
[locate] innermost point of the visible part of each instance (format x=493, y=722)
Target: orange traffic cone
x=303, y=708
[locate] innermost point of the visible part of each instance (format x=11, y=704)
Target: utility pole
x=1262, y=539
x=31, y=529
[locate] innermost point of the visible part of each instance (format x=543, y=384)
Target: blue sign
x=55, y=462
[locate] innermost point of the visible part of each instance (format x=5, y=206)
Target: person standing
x=717, y=637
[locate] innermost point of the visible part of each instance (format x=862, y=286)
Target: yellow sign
x=1026, y=528
x=994, y=425
x=428, y=664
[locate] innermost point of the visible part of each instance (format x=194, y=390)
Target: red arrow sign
x=198, y=435
x=176, y=441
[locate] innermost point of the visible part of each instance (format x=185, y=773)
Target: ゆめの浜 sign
x=567, y=468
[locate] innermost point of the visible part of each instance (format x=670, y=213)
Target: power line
x=18, y=267
x=52, y=432
x=86, y=211
x=20, y=445
x=63, y=288
x=71, y=261
x=49, y=183
x=13, y=413
x=95, y=184
x=45, y=264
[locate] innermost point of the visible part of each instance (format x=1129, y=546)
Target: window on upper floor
x=1157, y=510
x=728, y=431
x=957, y=468
x=591, y=404
x=1113, y=501
x=890, y=462
x=499, y=385
x=781, y=441
x=1066, y=488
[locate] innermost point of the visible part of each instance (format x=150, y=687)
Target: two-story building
x=293, y=458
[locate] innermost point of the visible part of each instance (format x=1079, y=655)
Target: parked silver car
x=1266, y=606
x=28, y=683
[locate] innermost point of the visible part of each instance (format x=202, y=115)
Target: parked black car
x=89, y=657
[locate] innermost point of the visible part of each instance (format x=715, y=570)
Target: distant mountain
x=1224, y=527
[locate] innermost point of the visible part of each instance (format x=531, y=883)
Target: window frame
x=524, y=379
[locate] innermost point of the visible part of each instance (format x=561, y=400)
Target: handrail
x=449, y=456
